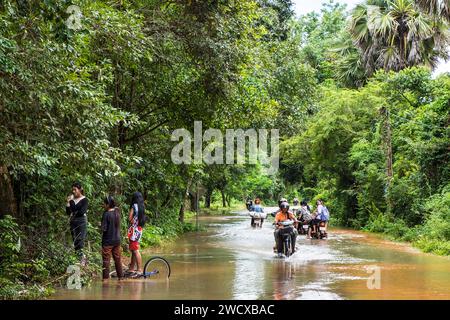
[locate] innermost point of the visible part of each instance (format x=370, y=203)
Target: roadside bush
x=16, y=271
x=433, y=236
x=437, y=214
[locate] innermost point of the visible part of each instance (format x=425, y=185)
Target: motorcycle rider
x=279, y=206
x=295, y=207
x=320, y=214
x=281, y=201
x=257, y=208
x=283, y=215
x=304, y=214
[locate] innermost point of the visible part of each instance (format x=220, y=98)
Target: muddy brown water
x=232, y=261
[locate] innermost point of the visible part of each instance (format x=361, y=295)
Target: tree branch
x=149, y=130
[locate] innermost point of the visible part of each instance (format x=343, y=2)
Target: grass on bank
x=433, y=236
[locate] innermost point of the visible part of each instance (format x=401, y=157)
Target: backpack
x=325, y=214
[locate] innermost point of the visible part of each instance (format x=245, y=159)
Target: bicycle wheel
x=157, y=268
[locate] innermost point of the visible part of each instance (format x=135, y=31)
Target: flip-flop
x=129, y=272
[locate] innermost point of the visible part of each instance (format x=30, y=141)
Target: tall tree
x=396, y=34
x=439, y=8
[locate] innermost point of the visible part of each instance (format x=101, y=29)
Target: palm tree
x=350, y=70
x=393, y=35
x=440, y=8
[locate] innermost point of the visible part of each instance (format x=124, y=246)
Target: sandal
x=129, y=272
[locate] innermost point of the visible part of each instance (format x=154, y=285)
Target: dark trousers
x=116, y=252
x=78, y=229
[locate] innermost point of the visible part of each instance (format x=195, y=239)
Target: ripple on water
x=239, y=236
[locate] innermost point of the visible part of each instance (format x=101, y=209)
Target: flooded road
x=232, y=261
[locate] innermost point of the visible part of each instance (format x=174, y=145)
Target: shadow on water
x=230, y=260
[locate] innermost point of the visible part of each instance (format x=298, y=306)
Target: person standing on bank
x=76, y=208
x=137, y=221
x=111, y=238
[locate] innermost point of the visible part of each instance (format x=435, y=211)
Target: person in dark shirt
x=76, y=208
x=111, y=238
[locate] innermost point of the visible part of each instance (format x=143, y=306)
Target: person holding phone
x=76, y=209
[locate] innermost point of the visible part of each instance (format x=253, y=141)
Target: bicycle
x=154, y=268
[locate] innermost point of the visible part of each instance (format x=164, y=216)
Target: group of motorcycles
x=303, y=226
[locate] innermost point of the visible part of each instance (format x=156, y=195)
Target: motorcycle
x=323, y=230
x=303, y=227
x=257, y=223
x=257, y=219
x=285, y=233
x=320, y=232
x=304, y=224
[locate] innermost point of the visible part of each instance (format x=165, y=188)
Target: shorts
x=134, y=245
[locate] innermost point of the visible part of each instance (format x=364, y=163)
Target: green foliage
x=317, y=33
x=165, y=229
x=342, y=156
x=98, y=105
x=15, y=290
x=11, y=239
x=394, y=35
x=16, y=273
x=437, y=215
x=433, y=236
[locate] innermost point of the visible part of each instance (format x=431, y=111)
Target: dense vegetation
x=363, y=123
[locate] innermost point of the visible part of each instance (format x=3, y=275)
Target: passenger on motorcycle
x=258, y=211
x=305, y=209
x=283, y=215
x=249, y=204
x=295, y=208
x=304, y=217
x=320, y=214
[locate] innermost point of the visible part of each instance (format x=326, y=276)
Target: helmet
x=284, y=204
x=281, y=201
x=295, y=201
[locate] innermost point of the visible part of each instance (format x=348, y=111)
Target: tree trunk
x=208, y=198
x=224, y=204
x=122, y=134
x=181, y=213
x=185, y=198
x=8, y=203
x=193, y=199
x=389, y=157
